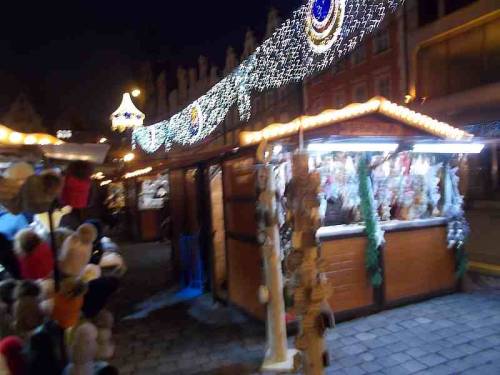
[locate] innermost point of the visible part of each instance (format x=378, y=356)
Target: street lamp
x=127, y=116
x=136, y=92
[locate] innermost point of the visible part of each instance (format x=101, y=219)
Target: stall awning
x=484, y=129
x=376, y=105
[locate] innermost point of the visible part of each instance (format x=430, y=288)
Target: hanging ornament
x=126, y=116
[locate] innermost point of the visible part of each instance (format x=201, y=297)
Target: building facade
x=454, y=74
x=376, y=67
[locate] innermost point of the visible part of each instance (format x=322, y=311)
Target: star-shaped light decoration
x=127, y=116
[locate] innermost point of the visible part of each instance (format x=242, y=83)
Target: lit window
x=360, y=93
x=383, y=86
x=358, y=56
x=381, y=41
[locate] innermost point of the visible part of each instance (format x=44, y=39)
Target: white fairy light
x=317, y=34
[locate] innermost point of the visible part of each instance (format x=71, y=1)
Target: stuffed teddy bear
x=45, y=351
x=35, y=257
x=76, y=250
x=104, y=323
x=82, y=350
x=11, y=352
x=35, y=195
x=68, y=302
x=27, y=312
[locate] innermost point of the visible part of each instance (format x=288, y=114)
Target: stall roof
x=11, y=137
x=376, y=105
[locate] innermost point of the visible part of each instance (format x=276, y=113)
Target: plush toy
x=76, y=250
x=36, y=194
x=7, y=289
x=47, y=287
x=35, y=257
x=77, y=184
x=11, y=351
x=99, y=292
x=68, y=302
x=112, y=264
x=45, y=352
x=8, y=258
x=27, y=312
x=104, y=323
x=83, y=350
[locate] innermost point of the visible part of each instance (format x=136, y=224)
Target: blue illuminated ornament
x=320, y=9
x=323, y=23
x=196, y=120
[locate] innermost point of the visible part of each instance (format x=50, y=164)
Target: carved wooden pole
x=278, y=357
x=310, y=289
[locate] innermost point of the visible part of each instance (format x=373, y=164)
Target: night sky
x=80, y=56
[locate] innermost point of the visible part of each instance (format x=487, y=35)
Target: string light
x=315, y=36
x=138, y=172
x=128, y=157
x=9, y=136
x=126, y=116
x=106, y=182
x=375, y=105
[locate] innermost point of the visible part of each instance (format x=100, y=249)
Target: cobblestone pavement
x=447, y=335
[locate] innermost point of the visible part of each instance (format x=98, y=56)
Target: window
x=381, y=41
x=428, y=11
x=360, y=92
x=339, y=67
x=358, y=56
x=383, y=86
x=339, y=100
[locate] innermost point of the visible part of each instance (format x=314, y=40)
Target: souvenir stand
x=147, y=195
x=392, y=222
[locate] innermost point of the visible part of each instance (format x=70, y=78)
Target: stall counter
x=415, y=263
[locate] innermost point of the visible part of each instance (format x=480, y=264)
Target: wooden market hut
x=411, y=269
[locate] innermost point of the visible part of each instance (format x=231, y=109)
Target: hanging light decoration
x=317, y=35
x=127, y=116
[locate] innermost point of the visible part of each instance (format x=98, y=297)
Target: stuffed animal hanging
x=105, y=346
x=45, y=352
x=36, y=260
x=11, y=352
x=35, y=195
x=83, y=350
x=68, y=302
x=26, y=311
x=77, y=184
x=76, y=250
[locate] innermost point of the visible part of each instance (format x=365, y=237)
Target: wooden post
x=310, y=288
x=278, y=357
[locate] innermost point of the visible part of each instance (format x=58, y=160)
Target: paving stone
x=348, y=340
x=396, y=370
x=363, y=336
x=371, y=367
x=416, y=352
x=432, y=359
x=414, y=366
x=356, y=370
x=401, y=357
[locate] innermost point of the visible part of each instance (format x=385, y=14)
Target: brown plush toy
x=105, y=346
x=76, y=250
x=27, y=312
x=83, y=350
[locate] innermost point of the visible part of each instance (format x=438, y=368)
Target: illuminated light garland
x=317, y=34
x=127, y=115
x=11, y=137
x=375, y=105
x=138, y=172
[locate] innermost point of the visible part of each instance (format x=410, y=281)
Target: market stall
x=392, y=223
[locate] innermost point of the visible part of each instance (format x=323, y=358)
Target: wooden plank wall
x=218, y=235
x=243, y=253
x=417, y=262
x=345, y=270
x=177, y=211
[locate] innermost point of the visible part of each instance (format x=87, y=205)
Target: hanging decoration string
x=374, y=233
x=317, y=35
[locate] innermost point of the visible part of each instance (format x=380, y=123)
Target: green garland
x=374, y=233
